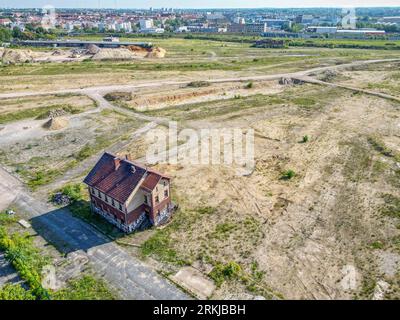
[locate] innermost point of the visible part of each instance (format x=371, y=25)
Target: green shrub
x=288, y=175
x=249, y=85
x=73, y=191
x=305, y=139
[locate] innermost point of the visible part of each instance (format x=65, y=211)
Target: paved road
x=129, y=276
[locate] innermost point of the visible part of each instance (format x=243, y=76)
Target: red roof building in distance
x=129, y=195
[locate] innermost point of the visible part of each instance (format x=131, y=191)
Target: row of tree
x=30, y=33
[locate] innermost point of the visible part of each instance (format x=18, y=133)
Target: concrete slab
x=195, y=282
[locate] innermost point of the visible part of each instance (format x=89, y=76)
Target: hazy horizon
x=190, y=4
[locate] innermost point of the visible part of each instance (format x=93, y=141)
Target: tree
x=17, y=33
x=5, y=35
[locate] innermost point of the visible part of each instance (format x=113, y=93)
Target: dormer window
x=157, y=199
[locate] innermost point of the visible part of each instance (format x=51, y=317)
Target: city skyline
x=140, y=4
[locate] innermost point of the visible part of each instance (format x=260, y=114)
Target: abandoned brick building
x=129, y=195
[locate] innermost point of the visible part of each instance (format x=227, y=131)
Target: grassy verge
x=85, y=288
x=37, y=113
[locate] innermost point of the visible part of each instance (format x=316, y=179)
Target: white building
x=152, y=30
x=146, y=24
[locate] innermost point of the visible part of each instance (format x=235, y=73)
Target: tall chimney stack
x=117, y=163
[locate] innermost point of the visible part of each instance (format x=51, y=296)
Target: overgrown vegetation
x=75, y=192
x=391, y=206
x=84, y=288
x=26, y=259
x=15, y=292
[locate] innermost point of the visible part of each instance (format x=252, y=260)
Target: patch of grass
x=198, y=84
x=92, y=148
x=304, y=102
x=225, y=227
x=377, y=245
x=159, y=245
x=41, y=178
x=84, y=288
x=67, y=108
x=391, y=206
x=359, y=160
x=223, y=272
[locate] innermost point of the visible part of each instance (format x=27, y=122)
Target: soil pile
x=11, y=56
x=139, y=51
x=57, y=53
x=156, y=52
x=114, y=54
x=93, y=49
x=118, y=96
x=56, y=124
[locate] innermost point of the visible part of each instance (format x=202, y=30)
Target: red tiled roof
x=151, y=181
x=119, y=183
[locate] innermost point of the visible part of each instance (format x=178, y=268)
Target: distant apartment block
x=390, y=20
x=248, y=28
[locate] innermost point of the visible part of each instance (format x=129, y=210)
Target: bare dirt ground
x=303, y=235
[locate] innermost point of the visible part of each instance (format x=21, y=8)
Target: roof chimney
x=128, y=157
x=117, y=163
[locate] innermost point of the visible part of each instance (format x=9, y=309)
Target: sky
x=196, y=3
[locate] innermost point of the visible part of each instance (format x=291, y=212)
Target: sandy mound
x=56, y=124
x=139, y=51
x=11, y=56
x=156, y=52
x=114, y=54
x=93, y=49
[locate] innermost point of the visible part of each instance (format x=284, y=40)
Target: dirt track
x=102, y=90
